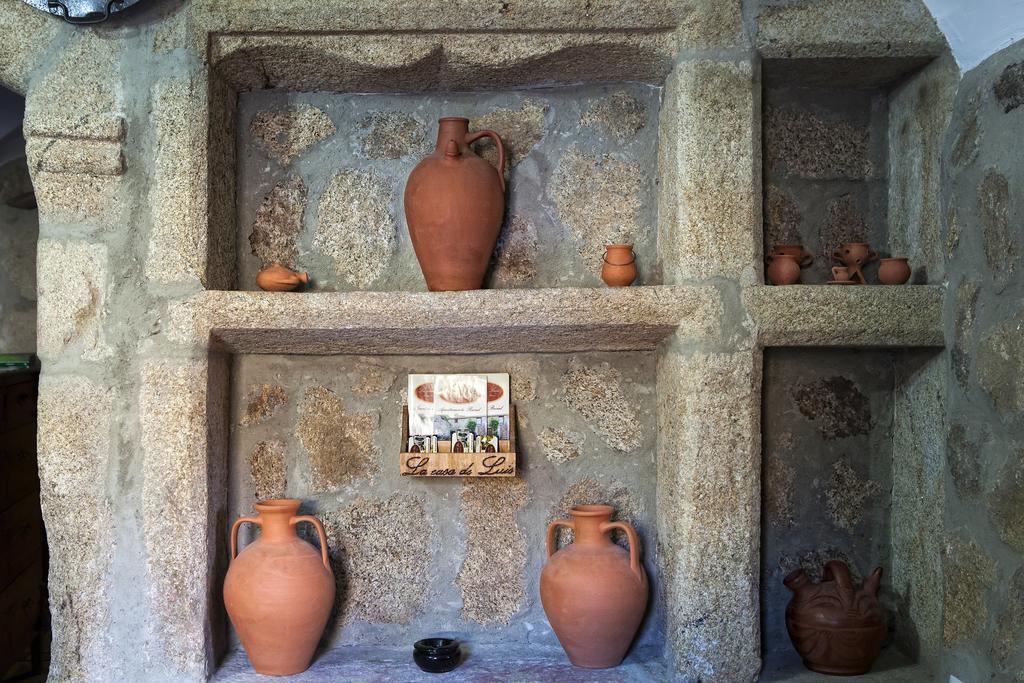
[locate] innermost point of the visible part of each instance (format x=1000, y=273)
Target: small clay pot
x=804, y=258
x=437, y=655
x=277, y=278
x=893, y=271
x=783, y=269
x=619, y=269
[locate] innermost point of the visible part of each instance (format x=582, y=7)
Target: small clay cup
x=619, y=269
x=893, y=271
x=840, y=273
x=437, y=655
x=783, y=269
x=804, y=258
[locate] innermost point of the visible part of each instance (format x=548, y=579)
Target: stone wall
x=416, y=556
x=19, y=232
x=321, y=179
x=983, y=190
x=827, y=472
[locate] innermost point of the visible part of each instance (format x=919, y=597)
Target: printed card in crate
x=442, y=404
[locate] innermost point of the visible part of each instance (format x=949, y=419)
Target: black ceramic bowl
x=436, y=655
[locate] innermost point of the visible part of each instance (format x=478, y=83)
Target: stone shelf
x=479, y=321
x=850, y=316
x=483, y=663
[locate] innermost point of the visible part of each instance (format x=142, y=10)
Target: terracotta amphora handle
x=320, y=531
x=634, y=545
x=552, y=528
x=473, y=137
x=234, y=532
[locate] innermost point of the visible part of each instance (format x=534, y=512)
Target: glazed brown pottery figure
x=454, y=204
x=277, y=278
x=836, y=629
x=593, y=591
x=893, y=271
x=783, y=269
x=279, y=590
x=855, y=255
x=619, y=269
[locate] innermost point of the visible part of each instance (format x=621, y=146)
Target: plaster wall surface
x=416, y=556
x=321, y=179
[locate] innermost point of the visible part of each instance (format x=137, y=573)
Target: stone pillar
x=709, y=397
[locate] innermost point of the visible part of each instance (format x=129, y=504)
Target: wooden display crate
x=448, y=464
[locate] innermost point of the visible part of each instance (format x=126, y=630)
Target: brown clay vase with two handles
x=454, y=205
x=593, y=591
x=279, y=590
x=836, y=628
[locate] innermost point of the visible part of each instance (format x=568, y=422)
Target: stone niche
x=321, y=177
x=414, y=556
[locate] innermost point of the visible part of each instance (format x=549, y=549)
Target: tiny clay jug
x=855, y=255
x=804, y=257
x=836, y=629
x=619, y=269
x=279, y=590
x=893, y=271
x=454, y=205
x=593, y=591
x=277, y=278
x=783, y=269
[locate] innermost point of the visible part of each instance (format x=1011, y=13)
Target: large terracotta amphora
x=593, y=591
x=454, y=205
x=279, y=590
x=837, y=629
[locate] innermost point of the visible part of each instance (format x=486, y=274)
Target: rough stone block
x=379, y=557
x=278, y=224
x=878, y=316
x=595, y=392
x=72, y=299
x=97, y=201
x=491, y=578
x=968, y=575
x=178, y=187
x=709, y=470
x=836, y=28
x=70, y=155
x=1000, y=364
x=71, y=101
x=288, y=133
x=339, y=444
x=178, y=497
x=393, y=135
x=22, y=49
x=709, y=205
x=75, y=450
x=355, y=225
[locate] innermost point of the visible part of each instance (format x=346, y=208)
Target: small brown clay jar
x=619, y=269
x=840, y=274
x=893, y=271
x=783, y=269
x=277, y=278
x=804, y=258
